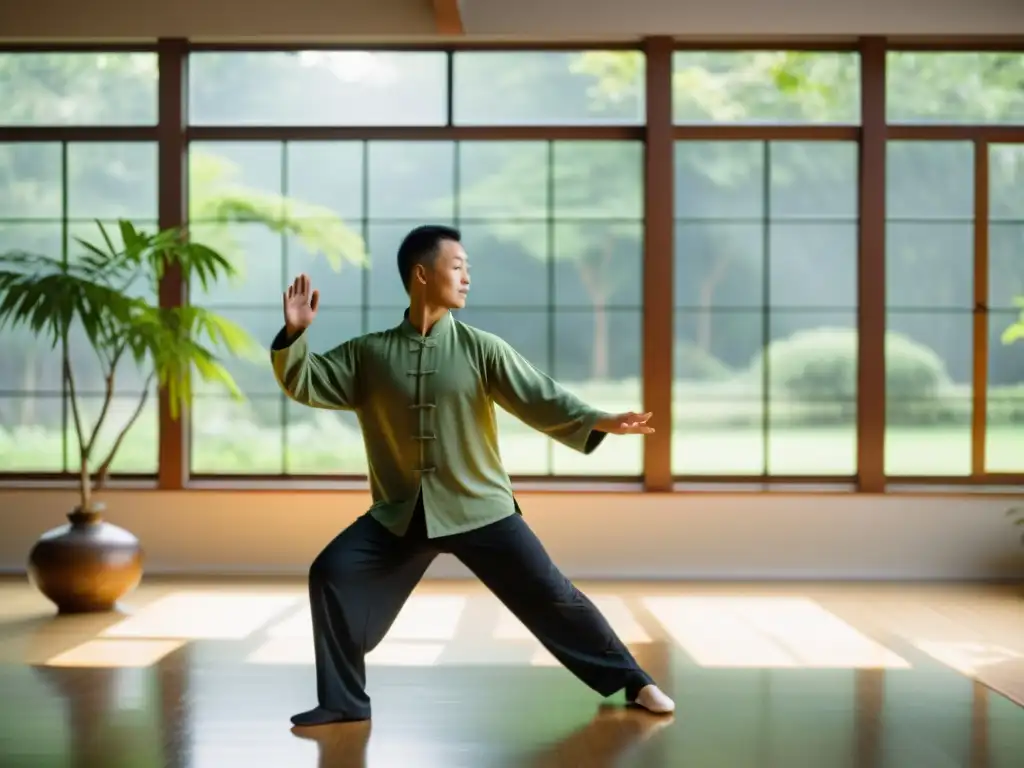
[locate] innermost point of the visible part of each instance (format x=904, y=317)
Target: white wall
x=611, y=535
x=530, y=19
x=778, y=18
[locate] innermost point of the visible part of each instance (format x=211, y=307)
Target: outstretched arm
x=329, y=380
x=321, y=381
x=542, y=403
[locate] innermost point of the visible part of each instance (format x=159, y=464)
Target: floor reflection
x=339, y=746
x=613, y=735
x=797, y=682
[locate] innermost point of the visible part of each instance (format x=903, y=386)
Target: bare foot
x=321, y=716
x=653, y=699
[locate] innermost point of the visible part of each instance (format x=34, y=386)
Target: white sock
x=652, y=698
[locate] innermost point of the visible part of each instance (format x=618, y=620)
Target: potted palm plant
x=88, y=564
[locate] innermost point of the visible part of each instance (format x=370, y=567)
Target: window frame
x=173, y=134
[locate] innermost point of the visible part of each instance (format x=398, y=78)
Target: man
x=424, y=393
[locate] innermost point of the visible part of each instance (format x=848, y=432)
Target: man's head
x=433, y=266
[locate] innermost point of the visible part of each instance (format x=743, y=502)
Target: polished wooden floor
x=205, y=674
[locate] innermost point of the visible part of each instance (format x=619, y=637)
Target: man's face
x=447, y=280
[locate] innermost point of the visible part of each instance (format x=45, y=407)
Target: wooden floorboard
x=206, y=673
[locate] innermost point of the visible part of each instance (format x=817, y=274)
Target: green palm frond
x=49, y=296
x=46, y=296
x=317, y=228
x=178, y=340
x=1015, y=332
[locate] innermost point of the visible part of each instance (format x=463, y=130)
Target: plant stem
x=107, y=399
x=85, y=482
x=104, y=468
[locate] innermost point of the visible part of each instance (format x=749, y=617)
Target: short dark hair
x=421, y=246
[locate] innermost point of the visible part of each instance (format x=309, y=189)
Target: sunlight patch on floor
x=203, y=616
x=428, y=617
x=115, y=653
x=299, y=651
x=423, y=617
x=284, y=650
x=398, y=654
x=412, y=640
x=767, y=632
x=716, y=631
x=614, y=609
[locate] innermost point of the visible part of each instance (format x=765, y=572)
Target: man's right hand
x=300, y=305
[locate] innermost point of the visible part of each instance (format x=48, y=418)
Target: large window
x=554, y=235
x=766, y=234
x=110, y=89
x=1004, y=436
x=31, y=380
x=929, y=302
x=553, y=229
x=766, y=87
x=953, y=268
x=318, y=88
x=410, y=88
x=561, y=88
x=277, y=209
x=765, y=296
x=955, y=87
x=52, y=194
x=551, y=163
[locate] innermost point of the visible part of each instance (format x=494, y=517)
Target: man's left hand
x=626, y=424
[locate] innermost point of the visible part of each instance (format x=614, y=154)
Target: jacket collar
x=441, y=327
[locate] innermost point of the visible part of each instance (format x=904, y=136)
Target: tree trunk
x=600, y=362
x=705, y=298
x=29, y=383
x=594, y=276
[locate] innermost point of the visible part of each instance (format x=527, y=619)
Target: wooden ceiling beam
x=448, y=17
